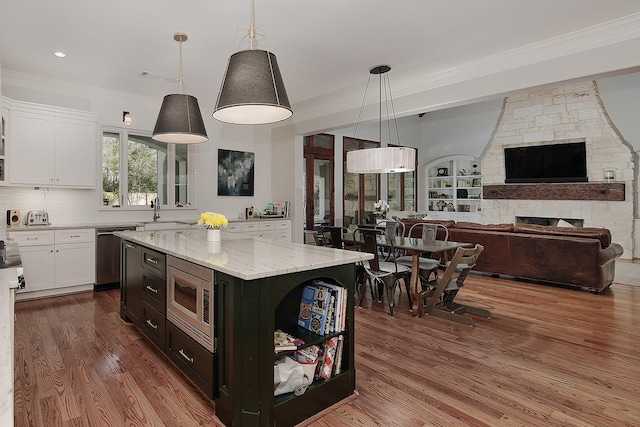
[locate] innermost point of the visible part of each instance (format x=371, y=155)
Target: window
x=136, y=170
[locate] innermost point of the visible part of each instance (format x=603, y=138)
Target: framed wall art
x=235, y=173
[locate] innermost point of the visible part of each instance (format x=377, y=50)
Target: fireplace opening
x=537, y=220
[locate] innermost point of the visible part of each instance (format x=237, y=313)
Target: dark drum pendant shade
x=252, y=91
x=180, y=121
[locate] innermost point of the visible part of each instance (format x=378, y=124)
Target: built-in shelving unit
x=454, y=188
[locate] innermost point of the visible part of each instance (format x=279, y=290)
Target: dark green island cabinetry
x=252, y=297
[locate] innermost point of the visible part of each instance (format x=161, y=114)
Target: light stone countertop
x=244, y=257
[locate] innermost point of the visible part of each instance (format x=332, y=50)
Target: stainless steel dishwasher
x=108, y=257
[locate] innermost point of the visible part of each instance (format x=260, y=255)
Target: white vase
x=213, y=234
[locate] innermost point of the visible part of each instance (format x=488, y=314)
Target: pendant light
x=252, y=90
x=179, y=120
x=382, y=159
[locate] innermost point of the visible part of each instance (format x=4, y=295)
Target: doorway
x=319, y=181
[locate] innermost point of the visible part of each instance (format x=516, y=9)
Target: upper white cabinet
x=4, y=132
x=52, y=146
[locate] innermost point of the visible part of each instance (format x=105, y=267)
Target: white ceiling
x=321, y=46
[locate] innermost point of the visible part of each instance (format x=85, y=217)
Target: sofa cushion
x=485, y=227
x=602, y=234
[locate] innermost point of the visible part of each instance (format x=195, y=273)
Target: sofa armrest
x=611, y=253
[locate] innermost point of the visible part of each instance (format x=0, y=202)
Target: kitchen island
x=257, y=286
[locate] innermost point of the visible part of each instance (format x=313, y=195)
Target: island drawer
x=154, y=261
x=194, y=360
x=154, y=291
x=153, y=325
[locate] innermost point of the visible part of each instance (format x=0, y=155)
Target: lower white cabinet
x=277, y=229
x=56, y=259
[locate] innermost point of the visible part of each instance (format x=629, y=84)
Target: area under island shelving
x=256, y=288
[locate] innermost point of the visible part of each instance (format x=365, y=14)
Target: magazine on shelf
x=314, y=308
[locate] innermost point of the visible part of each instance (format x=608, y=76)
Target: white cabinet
x=4, y=134
x=56, y=259
x=52, y=146
x=75, y=257
x=454, y=188
x=278, y=229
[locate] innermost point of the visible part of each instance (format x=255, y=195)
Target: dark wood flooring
x=549, y=357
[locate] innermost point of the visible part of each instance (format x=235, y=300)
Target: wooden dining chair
x=386, y=275
x=440, y=301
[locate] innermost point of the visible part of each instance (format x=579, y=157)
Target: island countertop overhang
x=247, y=258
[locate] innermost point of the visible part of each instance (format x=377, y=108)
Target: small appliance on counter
x=38, y=218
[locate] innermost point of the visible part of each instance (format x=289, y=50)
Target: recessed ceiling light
x=60, y=54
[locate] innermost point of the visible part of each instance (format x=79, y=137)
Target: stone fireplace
x=565, y=113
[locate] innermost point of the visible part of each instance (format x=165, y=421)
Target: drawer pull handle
x=189, y=359
x=150, y=323
x=74, y=236
x=32, y=238
x=130, y=246
x=152, y=289
x=152, y=261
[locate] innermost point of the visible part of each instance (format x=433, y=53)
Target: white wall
x=83, y=206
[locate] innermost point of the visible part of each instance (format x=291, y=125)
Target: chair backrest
x=322, y=236
x=393, y=228
x=461, y=264
x=336, y=234
x=428, y=231
x=366, y=240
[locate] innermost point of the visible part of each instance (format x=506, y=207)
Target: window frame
x=124, y=172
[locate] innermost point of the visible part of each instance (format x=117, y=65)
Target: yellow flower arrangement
x=212, y=220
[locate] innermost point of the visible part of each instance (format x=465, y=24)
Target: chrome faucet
x=155, y=204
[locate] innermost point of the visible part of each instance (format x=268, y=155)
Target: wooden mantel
x=565, y=191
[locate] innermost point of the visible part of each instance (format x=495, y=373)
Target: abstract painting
x=235, y=173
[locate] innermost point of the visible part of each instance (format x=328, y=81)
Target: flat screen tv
x=546, y=163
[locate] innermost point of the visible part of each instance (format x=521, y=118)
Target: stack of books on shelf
x=283, y=341
x=323, y=308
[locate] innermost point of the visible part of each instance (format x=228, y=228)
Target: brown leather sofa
x=582, y=257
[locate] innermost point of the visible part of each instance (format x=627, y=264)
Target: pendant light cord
x=252, y=25
x=180, y=68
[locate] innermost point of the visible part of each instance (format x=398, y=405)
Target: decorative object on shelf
x=213, y=221
x=383, y=159
x=380, y=209
x=608, y=175
x=443, y=172
x=179, y=120
x=235, y=173
x=252, y=90
x=249, y=212
x=475, y=170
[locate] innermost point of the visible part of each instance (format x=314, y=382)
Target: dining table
x=416, y=247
